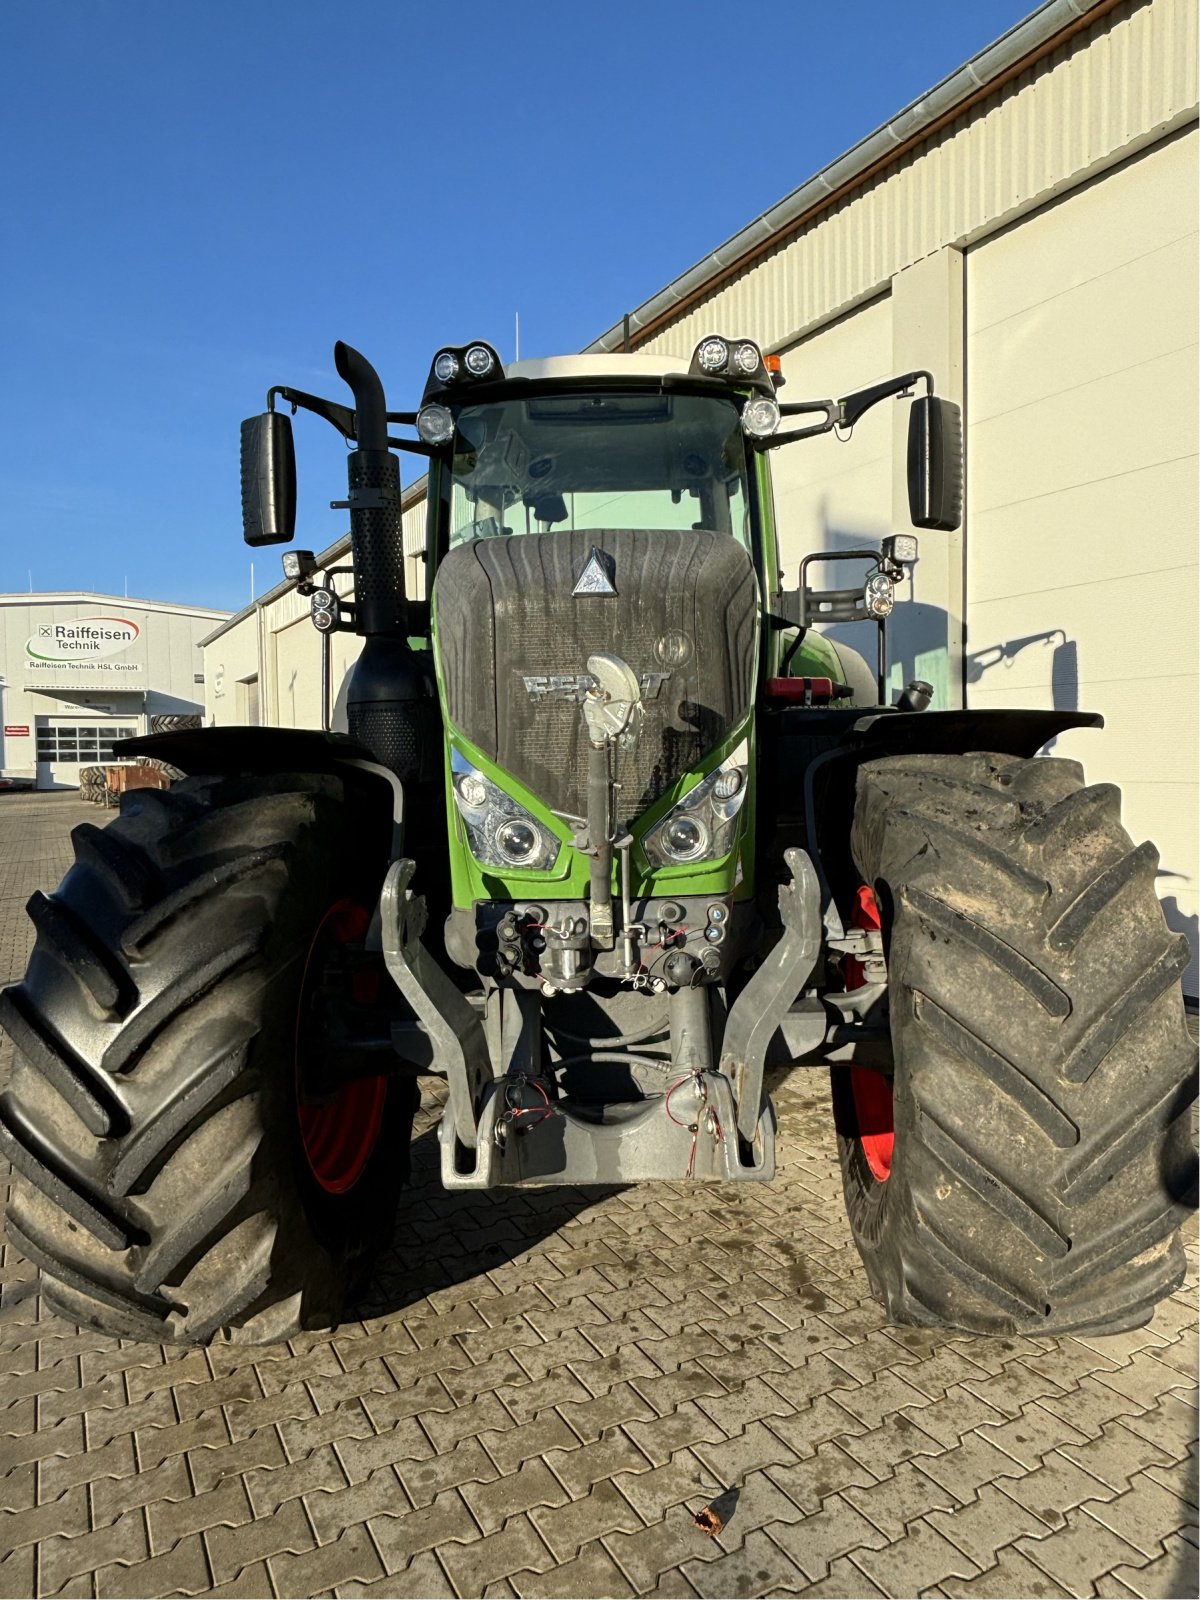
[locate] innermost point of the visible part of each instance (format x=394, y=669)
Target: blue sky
x=199, y=196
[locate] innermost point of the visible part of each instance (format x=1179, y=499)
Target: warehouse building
x=78, y=671
x=1027, y=231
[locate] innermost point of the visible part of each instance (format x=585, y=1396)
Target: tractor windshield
x=583, y=460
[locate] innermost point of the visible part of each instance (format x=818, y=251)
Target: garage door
x=65, y=745
x=1082, y=513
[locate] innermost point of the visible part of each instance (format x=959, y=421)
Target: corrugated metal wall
x=1111, y=89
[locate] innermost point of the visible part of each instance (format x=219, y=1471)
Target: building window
x=89, y=743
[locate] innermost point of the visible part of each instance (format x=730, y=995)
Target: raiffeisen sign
x=59, y=650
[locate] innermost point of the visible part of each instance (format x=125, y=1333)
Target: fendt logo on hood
x=82, y=639
x=574, y=686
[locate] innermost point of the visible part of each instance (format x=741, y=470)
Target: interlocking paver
x=232, y=1548
x=559, y=1388
x=681, y=1480
x=1145, y=1515
x=422, y=1579
x=1055, y=1488
x=61, y=1559
x=228, y=1506
x=1081, y=1551
x=424, y=1480
x=730, y=1461
x=269, y=1487
x=67, y=1515
x=646, y=1556
x=509, y=1446
x=759, y=1567
x=209, y=1467
x=569, y=1527
x=912, y=1564
x=593, y=1572
x=114, y=1460
x=181, y=1570
x=685, y=1427
x=835, y=1530
x=494, y=1503
x=352, y=1557
x=168, y=1483
x=515, y=1548
x=1116, y=1455
x=578, y=1468
x=1175, y=1572
x=483, y=1418
x=433, y=1527
x=1012, y=1574
x=361, y=1455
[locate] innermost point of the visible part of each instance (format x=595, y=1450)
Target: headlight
x=878, y=595
x=435, y=424
x=713, y=355
x=760, y=417
x=746, y=357
x=701, y=826
x=479, y=360
x=445, y=366
x=500, y=832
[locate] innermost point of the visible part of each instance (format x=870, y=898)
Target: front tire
x=165, y=1184
x=1042, y=1158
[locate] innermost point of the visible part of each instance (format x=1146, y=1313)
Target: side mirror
x=935, y=463
x=268, y=479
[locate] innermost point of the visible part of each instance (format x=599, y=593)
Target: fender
x=261, y=751
x=831, y=773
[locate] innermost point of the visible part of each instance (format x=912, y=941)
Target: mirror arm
x=341, y=417
x=799, y=408
x=850, y=409
x=417, y=447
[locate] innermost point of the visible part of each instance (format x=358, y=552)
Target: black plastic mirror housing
x=935, y=463
x=268, y=479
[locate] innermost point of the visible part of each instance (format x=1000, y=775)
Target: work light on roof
x=445, y=366
x=435, y=424
x=713, y=355
x=479, y=360
x=746, y=357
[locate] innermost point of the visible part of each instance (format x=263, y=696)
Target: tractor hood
x=517, y=618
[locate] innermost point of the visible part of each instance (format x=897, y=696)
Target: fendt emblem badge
x=573, y=686
x=597, y=575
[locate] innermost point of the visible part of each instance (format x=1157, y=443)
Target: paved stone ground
x=546, y=1384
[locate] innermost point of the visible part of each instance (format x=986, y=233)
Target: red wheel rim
x=873, y=1115
x=339, y=1135
x=872, y=1091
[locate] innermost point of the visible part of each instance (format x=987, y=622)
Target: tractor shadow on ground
x=444, y=1237
x=447, y=1237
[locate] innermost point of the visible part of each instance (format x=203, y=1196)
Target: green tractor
x=612, y=830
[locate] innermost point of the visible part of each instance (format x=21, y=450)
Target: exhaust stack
x=390, y=709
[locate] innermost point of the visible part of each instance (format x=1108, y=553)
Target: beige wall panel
x=232, y=657
x=1146, y=518
x=1102, y=429
x=1110, y=90
x=1082, y=428
x=1074, y=336
x=413, y=526
x=831, y=494
x=298, y=675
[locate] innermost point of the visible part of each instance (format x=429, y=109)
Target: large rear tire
x=172, y=1183
x=1042, y=1158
